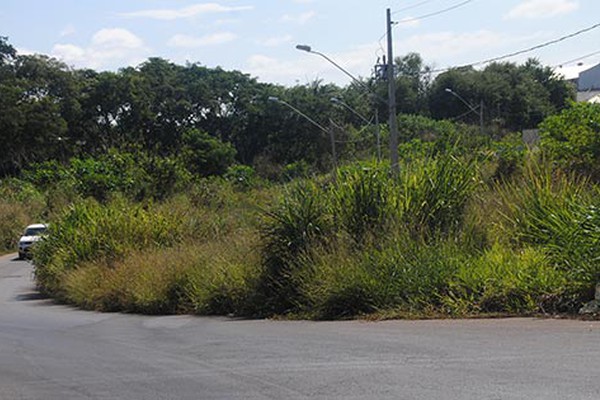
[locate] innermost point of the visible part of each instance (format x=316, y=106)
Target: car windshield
x=34, y=231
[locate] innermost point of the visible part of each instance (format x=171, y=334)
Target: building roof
x=589, y=96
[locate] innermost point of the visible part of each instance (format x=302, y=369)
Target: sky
x=258, y=37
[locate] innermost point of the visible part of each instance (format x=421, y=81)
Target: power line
x=519, y=52
x=433, y=14
x=577, y=59
x=412, y=6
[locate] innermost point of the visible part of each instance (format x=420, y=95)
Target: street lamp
x=315, y=123
x=308, y=49
x=335, y=100
x=473, y=109
x=391, y=102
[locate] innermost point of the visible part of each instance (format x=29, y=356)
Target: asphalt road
x=50, y=352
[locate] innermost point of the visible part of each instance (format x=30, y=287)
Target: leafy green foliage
x=514, y=97
x=205, y=155
x=572, y=138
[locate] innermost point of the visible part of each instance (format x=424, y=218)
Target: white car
x=32, y=234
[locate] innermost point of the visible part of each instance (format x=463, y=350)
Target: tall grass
x=433, y=240
x=434, y=193
x=403, y=275
x=502, y=280
x=558, y=212
x=289, y=232
x=89, y=232
x=364, y=202
x=20, y=205
x=211, y=278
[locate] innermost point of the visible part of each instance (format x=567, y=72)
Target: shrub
x=242, y=176
x=206, y=155
x=572, y=138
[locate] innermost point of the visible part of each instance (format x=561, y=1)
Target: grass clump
x=89, y=232
x=21, y=204
x=558, y=213
x=195, y=279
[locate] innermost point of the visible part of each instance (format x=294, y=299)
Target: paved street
x=50, y=352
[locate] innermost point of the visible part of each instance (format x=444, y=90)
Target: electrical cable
x=433, y=14
x=576, y=59
x=519, y=52
x=412, y=6
x=408, y=20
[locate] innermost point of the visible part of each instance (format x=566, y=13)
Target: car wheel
x=21, y=256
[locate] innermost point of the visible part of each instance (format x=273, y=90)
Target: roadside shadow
x=31, y=296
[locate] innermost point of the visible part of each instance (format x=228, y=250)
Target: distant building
x=588, y=85
x=591, y=96
x=589, y=79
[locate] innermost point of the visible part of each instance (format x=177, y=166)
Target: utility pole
x=392, y=98
x=378, y=134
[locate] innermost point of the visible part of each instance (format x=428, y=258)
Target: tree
x=514, y=97
x=206, y=155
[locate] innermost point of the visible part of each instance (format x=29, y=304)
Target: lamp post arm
x=453, y=93
x=309, y=119
x=308, y=49
x=352, y=110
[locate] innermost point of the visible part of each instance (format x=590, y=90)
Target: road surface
x=49, y=351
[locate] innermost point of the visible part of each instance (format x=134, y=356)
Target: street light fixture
x=473, y=109
x=315, y=123
x=393, y=126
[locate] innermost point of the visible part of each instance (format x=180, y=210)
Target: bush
x=242, y=176
x=206, y=155
x=572, y=138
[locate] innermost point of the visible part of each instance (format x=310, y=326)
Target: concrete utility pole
x=392, y=98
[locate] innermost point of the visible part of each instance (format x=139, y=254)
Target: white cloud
x=207, y=40
x=185, y=12
x=69, y=53
x=68, y=31
x=276, y=41
x=542, y=8
x=108, y=48
x=300, y=19
x=453, y=48
x=306, y=68
x=116, y=37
